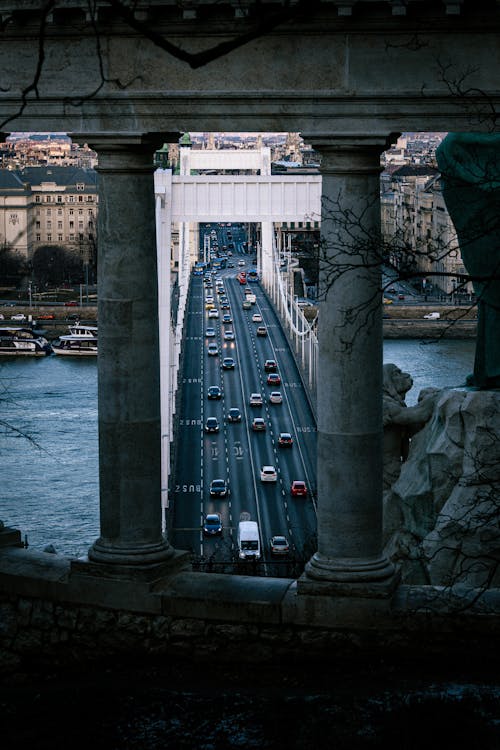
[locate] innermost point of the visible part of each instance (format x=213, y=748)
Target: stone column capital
x=126, y=152
x=349, y=153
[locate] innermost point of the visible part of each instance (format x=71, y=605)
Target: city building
x=417, y=233
x=52, y=205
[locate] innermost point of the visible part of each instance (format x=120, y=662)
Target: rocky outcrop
x=442, y=515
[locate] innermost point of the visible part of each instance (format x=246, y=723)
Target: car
x=71, y=303
x=213, y=313
x=218, y=488
x=268, y=474
x=275, y=397
x=392, y=290
x=246, y=305
x=228, y=363
x=270, y=365
x=298, y=488
x=226, y=318
x=386, y=301
x=230, y=265
x=401, y=296
x=212, y=424
x=229, y=335
x=285, y=439
x=241, y=263
x=210, y=333
x=259, y=425
x=234, y=414
x=1, y=317
x=261, y=331
x=256, y=318
x=47, y=316
x=18, y=316
x=213, y=350
x=214, y=392
x=273, y=379
x=278, y=545
x=255, y=399
x=432, y=316
x=212, y=524
x=225, y=305
x=209, y=305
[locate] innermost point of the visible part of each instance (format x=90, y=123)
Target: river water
x=49, y=485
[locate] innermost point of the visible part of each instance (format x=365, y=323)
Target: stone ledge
x=247, y=599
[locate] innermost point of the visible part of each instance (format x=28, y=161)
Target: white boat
x=80, y=342
x=16, y=341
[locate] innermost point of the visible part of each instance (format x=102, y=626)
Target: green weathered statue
x=470, y=171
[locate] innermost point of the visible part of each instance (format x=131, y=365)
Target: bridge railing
x=300, y=332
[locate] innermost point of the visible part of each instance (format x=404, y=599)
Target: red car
x=71, y=303
x=298, y=488
x=46, y=317
x=273, y=379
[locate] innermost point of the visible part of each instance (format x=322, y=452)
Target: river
x=50, y=485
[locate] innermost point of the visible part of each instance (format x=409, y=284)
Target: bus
x=199, y=268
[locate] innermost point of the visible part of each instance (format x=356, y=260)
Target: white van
x=248, y=540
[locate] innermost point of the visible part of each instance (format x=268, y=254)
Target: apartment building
x=417, y=229
x=49, y=205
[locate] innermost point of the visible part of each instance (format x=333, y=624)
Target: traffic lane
x=186, y=491
x=261, y=351
x=293, y=392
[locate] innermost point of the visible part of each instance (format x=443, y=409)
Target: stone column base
x=371, y=578
x=147, y=573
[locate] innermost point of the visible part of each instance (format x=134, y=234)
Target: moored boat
x=80, y=342
x=16, y=341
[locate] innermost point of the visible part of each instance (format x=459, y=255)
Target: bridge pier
x=349, y=559
x=131, y=541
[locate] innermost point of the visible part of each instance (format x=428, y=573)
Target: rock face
x=442, y=515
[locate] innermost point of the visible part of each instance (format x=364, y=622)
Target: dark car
x=261, y=331
x=212, y=424
x=234, y=415
x=285, y=440
x=228, y=363
x=214, y=392
x=218, y=488
x=212, y=525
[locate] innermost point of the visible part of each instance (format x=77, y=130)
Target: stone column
x=349, y=558
x=128, y=363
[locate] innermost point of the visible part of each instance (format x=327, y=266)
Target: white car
x=229, y=335
x=213, y=313
x=256, y=318
x=18, y=316
x=255, y=399
x=213, y=350
x=432, y=316
x=268, y=474
x=275, y=397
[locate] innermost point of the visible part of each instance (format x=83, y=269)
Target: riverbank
x=400, y=322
